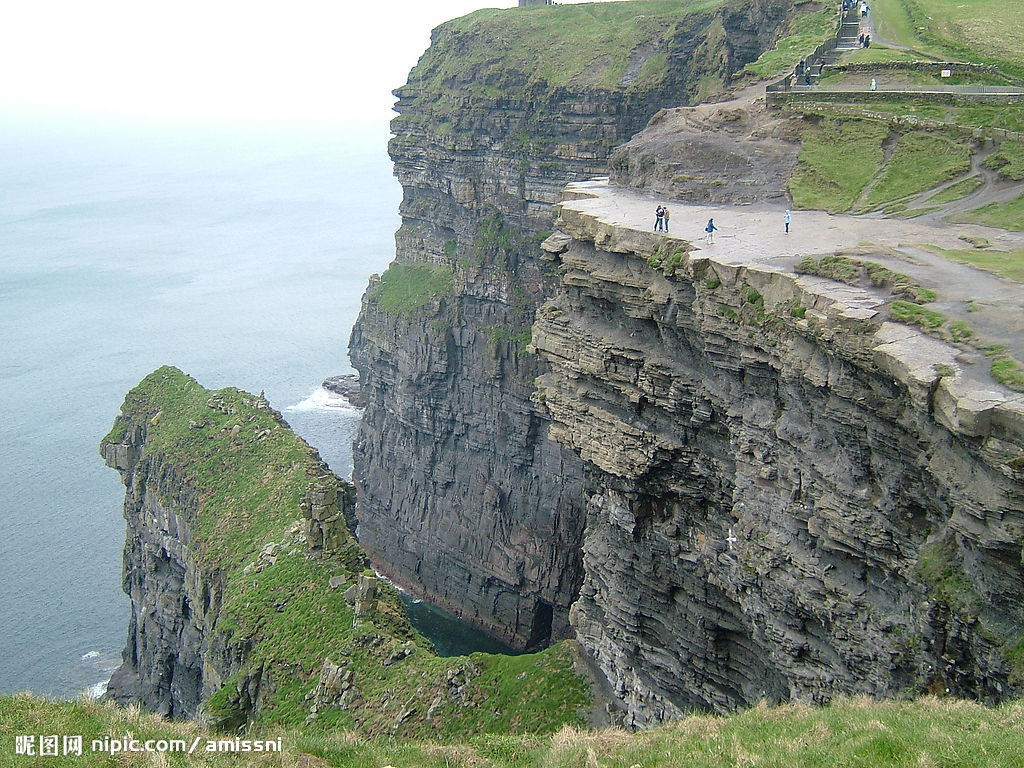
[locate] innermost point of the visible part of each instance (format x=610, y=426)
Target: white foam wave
x=90, y=655
x=96, y=690
x=324, y=400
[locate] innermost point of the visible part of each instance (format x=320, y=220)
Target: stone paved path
x=755, y=235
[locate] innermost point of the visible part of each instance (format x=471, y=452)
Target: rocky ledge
x=788, y=496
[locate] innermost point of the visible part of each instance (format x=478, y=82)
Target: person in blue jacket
x=710, y=230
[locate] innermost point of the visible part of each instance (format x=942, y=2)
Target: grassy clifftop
x=858, y=732
x=597, y=45
x=254, y=478
x=979, y=30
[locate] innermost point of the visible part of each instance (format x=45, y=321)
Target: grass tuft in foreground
x=849, y=732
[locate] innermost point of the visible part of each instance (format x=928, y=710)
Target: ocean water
x=238, y=258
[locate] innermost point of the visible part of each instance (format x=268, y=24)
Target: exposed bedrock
x=462, y=498
x=731, y=152
x=781, y=505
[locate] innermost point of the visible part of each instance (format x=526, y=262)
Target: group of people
x=806, y=71
x=865, y=40
x=661, y=217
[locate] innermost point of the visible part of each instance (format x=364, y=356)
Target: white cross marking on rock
x=731, y=539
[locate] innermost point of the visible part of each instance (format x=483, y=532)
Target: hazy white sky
x=305, y=61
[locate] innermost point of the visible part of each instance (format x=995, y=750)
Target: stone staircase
x=847, y=39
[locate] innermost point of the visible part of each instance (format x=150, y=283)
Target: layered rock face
x=462, y=498
x=174, y=603
x=785, y=500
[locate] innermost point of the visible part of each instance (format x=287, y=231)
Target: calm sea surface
x=241, y=260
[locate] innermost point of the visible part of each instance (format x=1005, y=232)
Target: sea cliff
x=788, y=497
x=728, y=481
x=462, y=496
x=251, y=600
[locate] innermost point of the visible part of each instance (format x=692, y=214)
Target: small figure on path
x=861, y=39
x=788, y=219
x=659, y=218
x=710, y=230
x=867, y=41
x=807, y=78
x=874, y=84
x=665, y=222
x=821, y=68
x=800, y=67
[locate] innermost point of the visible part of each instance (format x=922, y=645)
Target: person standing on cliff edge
x=665, y=216
x=788, y=219
x=710, y=230
x=659, y=218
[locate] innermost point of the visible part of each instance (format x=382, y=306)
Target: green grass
x=251, y=484
x=919, y=162
x=498, y=334
x=837, y=160
x=856, y=272
x=858, y=733
x=957, y=191
x=839, y=268
x=1003, y=215
x=941, y=568
x=1008, y=160
x=1008, y=264
x=878, y=54
x=1008, y=372
x=908, y=107
x=807, y=32
x=406, y=288
x=960, y=331
x=915, y=314
x=495, y=52
x=988, y=31
x=893, y=24
x=1007, y=116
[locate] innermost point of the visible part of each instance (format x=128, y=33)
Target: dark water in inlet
x=450, y=636
x=240, y=259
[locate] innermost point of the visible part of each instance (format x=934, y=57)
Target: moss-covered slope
x=248, y=589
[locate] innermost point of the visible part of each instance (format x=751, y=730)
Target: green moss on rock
x=252, y=475
x=404, y=289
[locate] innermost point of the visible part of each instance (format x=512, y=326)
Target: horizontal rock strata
x=781, y=505
x=462, y=498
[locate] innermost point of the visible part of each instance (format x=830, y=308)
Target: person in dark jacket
x=710, y=230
